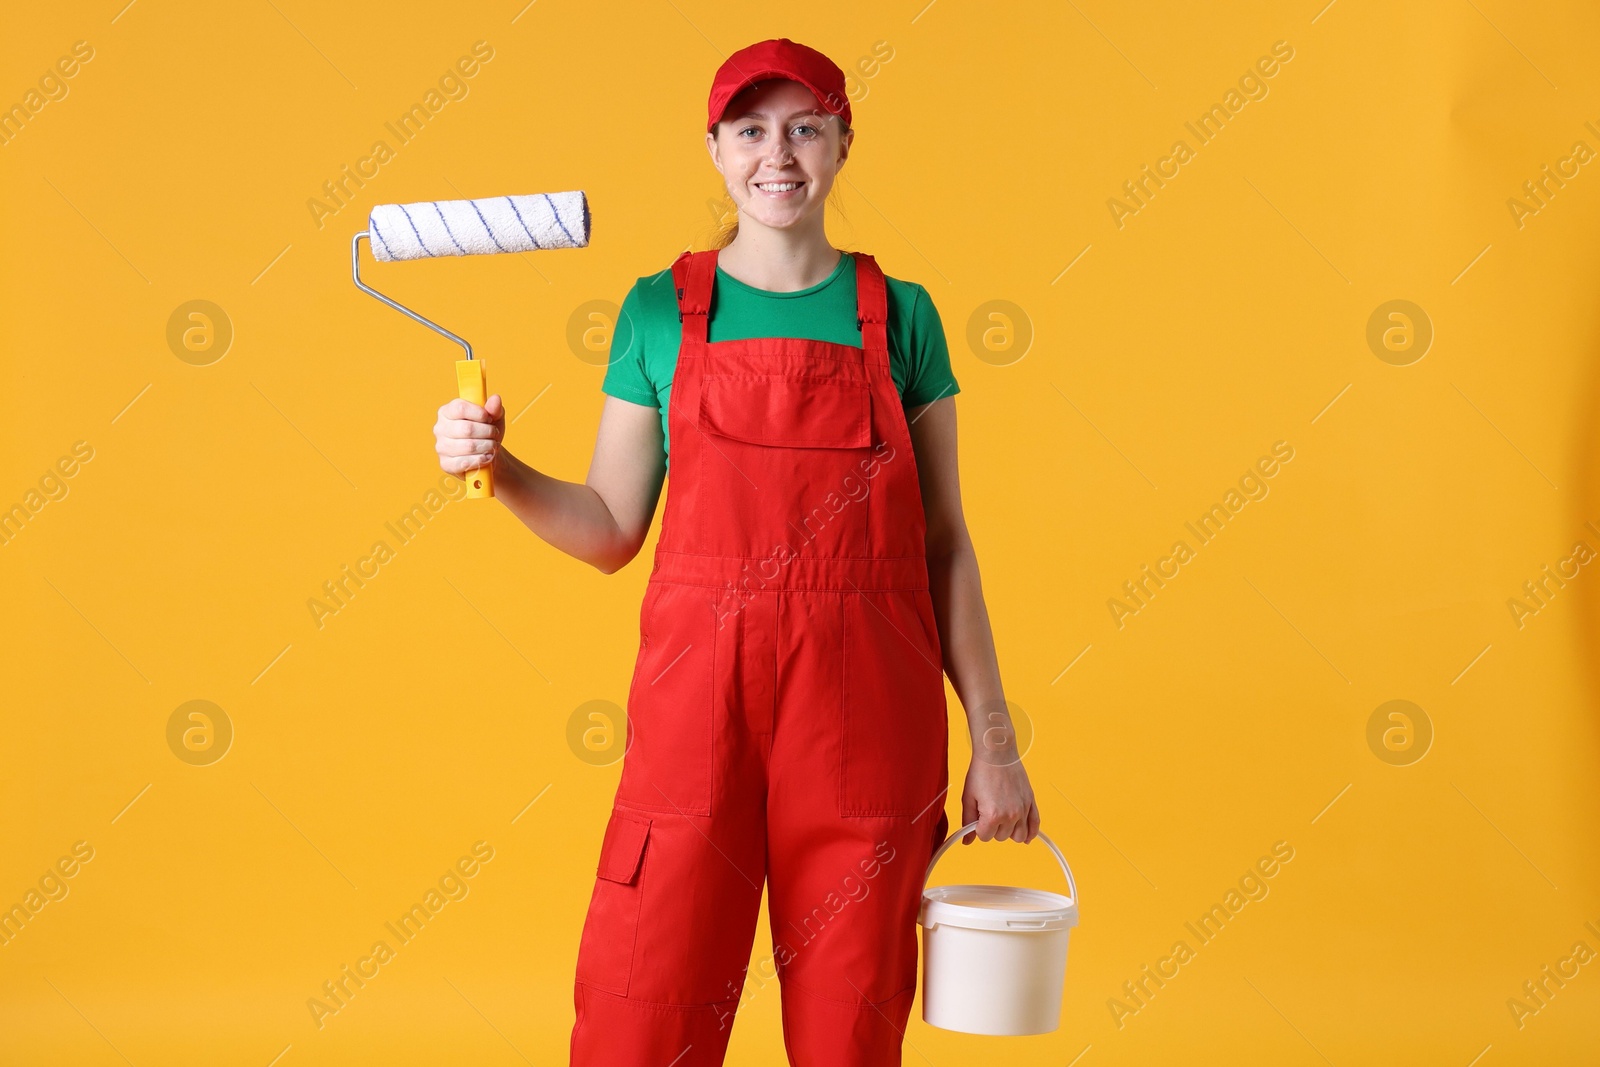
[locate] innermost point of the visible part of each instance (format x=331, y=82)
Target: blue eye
x=813, y=129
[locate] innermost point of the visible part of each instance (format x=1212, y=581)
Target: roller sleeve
x=431, y=228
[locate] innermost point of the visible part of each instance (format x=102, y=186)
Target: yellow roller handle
x=472, y=386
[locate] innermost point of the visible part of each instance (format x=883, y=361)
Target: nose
x=779, y=154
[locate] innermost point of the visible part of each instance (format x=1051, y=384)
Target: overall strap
x=872, y=308
x=692, y=275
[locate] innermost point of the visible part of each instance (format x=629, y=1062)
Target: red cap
x=779, y=58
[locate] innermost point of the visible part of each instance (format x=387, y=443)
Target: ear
x=844, y=147
x=716, y=153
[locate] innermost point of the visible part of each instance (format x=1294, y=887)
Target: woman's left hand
x=999, y=798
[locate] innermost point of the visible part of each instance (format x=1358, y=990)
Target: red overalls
x=787, y=714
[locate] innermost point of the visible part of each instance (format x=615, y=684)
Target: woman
x=812, y=582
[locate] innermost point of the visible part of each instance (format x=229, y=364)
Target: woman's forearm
x=571, y=516
x=968, y=644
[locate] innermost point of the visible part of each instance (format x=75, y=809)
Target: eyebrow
x=809, y=113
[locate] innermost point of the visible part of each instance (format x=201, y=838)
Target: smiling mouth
x=778, y=187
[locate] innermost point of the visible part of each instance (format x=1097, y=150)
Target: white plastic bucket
x=994, y=957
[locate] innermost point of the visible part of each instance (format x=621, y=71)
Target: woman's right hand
x=467, y=437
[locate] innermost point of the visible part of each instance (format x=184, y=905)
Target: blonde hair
x=727, y=232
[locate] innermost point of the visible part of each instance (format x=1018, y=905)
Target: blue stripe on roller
x=372, y=224
x=486, y=228
x=447, y=233
x=557, y=214
x=520, y=219
x=420, y=243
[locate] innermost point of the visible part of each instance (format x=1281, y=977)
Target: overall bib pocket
x=605, y=953
x=788, y=454
x=788, y=411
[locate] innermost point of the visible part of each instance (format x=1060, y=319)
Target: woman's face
x=778, y=151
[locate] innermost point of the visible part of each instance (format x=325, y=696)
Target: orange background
x=1137, y=365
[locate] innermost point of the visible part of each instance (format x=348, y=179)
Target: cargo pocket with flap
x=611, y=929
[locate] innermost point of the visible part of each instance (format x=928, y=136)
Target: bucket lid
x=997, y=907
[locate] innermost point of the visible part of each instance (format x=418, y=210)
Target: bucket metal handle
x=1065, y=869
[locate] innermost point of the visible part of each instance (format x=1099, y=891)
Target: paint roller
x=469, y=228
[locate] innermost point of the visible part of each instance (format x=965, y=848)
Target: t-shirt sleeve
x=626, y=376
x=928, y=375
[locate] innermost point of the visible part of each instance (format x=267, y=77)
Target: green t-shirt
x=644, y=347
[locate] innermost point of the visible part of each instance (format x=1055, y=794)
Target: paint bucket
x=994, y=957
